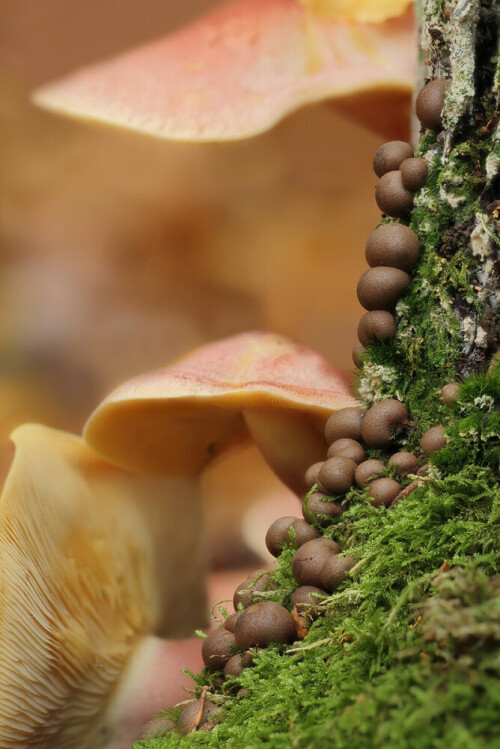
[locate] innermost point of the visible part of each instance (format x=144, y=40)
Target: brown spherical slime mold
x=190, y=713
x=429, y=103
x=235, y=665
x=230, y=622
x=433, y=440
x=391, y=195
x=278, y=535
x=256, y=582
x=310, y=558
x=318, y=505
x=311, y=475
x=383, y=421
x=347, y=448
x=304, y=532
x=263, y=624
x=381, y=287
x=449, y=393
x=405, y=462
x=383, y=491
x=390, y=155
x=414, y=173
x=217, y=649
x=337, y=475
x=344, y=423
x=335, y=572
x=306, y=600
x=393, y=245
x=367, y=471
x=377, y=325
x=357, y=355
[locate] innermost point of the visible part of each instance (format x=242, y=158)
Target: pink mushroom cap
x=260, y=385
x=243, y=67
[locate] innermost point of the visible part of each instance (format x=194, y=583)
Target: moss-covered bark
x=407, y=653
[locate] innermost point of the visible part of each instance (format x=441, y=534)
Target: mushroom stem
x=288, y=441
x=152, y=680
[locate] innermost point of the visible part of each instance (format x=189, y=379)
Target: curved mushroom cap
x=356, y=10
x=239, y=70
x=174, y=420
x=78, y=591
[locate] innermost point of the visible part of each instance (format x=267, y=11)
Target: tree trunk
x=448, y=323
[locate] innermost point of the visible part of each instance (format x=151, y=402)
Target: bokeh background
x=120, y=253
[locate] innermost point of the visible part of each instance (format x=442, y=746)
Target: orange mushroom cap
x=174, y=420
x=245, y=66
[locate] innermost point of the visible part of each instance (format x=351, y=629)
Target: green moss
x=385, y=665
x=407, y=653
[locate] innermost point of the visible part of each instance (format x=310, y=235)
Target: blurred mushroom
x=83, y=591
x=259, y=385
x=246, y=65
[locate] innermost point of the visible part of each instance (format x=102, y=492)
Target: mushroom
x=85, y=586
x=258, y=385
x=245, y=66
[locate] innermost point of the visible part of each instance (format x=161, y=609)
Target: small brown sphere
x=393, y=245
x=380, y=288
x=383, y=491
x=316, y=507
x=389, y=156
x=311, y=475
x=190, y=712
x=234, y=666
x=278, y=535
x=403, y=494
x=366, y=471
x=304, y=532
x=304, y=602
x=334, y=572
x=157, y=727
x=357, y=355
x=384, y=420
x=405, y=462
x=337, y=475
x=217, y=649
x=414, y=173
x=391, y=195
x=230, y=622
x=344, y=423
x=256, y=582
x=429, y=104
x=433, y=440
x=250, y=656
x=347, y=448
x=377, y=325
x=310, y=558
x=264, y=623
x=387, y=418
x=449, y=393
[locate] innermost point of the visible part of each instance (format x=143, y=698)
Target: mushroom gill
x=81, y=589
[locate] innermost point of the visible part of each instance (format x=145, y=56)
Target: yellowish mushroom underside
x=78, y=589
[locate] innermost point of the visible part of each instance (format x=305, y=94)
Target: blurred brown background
x=119, y=253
